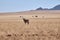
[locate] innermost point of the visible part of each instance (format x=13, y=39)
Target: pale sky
x=24, y=5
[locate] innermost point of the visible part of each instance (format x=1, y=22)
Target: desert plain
x=43, y=25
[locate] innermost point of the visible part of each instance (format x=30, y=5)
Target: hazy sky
x=23, y=5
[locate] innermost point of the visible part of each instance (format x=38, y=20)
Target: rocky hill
x=57, y=7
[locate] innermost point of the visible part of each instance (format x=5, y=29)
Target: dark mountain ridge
x=57, y=7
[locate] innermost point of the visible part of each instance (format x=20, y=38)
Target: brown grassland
x=46, y=26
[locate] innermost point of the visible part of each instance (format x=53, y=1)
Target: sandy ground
x=46, y=26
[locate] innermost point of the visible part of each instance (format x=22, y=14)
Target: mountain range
x=57, y=7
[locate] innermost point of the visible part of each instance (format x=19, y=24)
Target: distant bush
x=20, y=16
x=36, y=16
